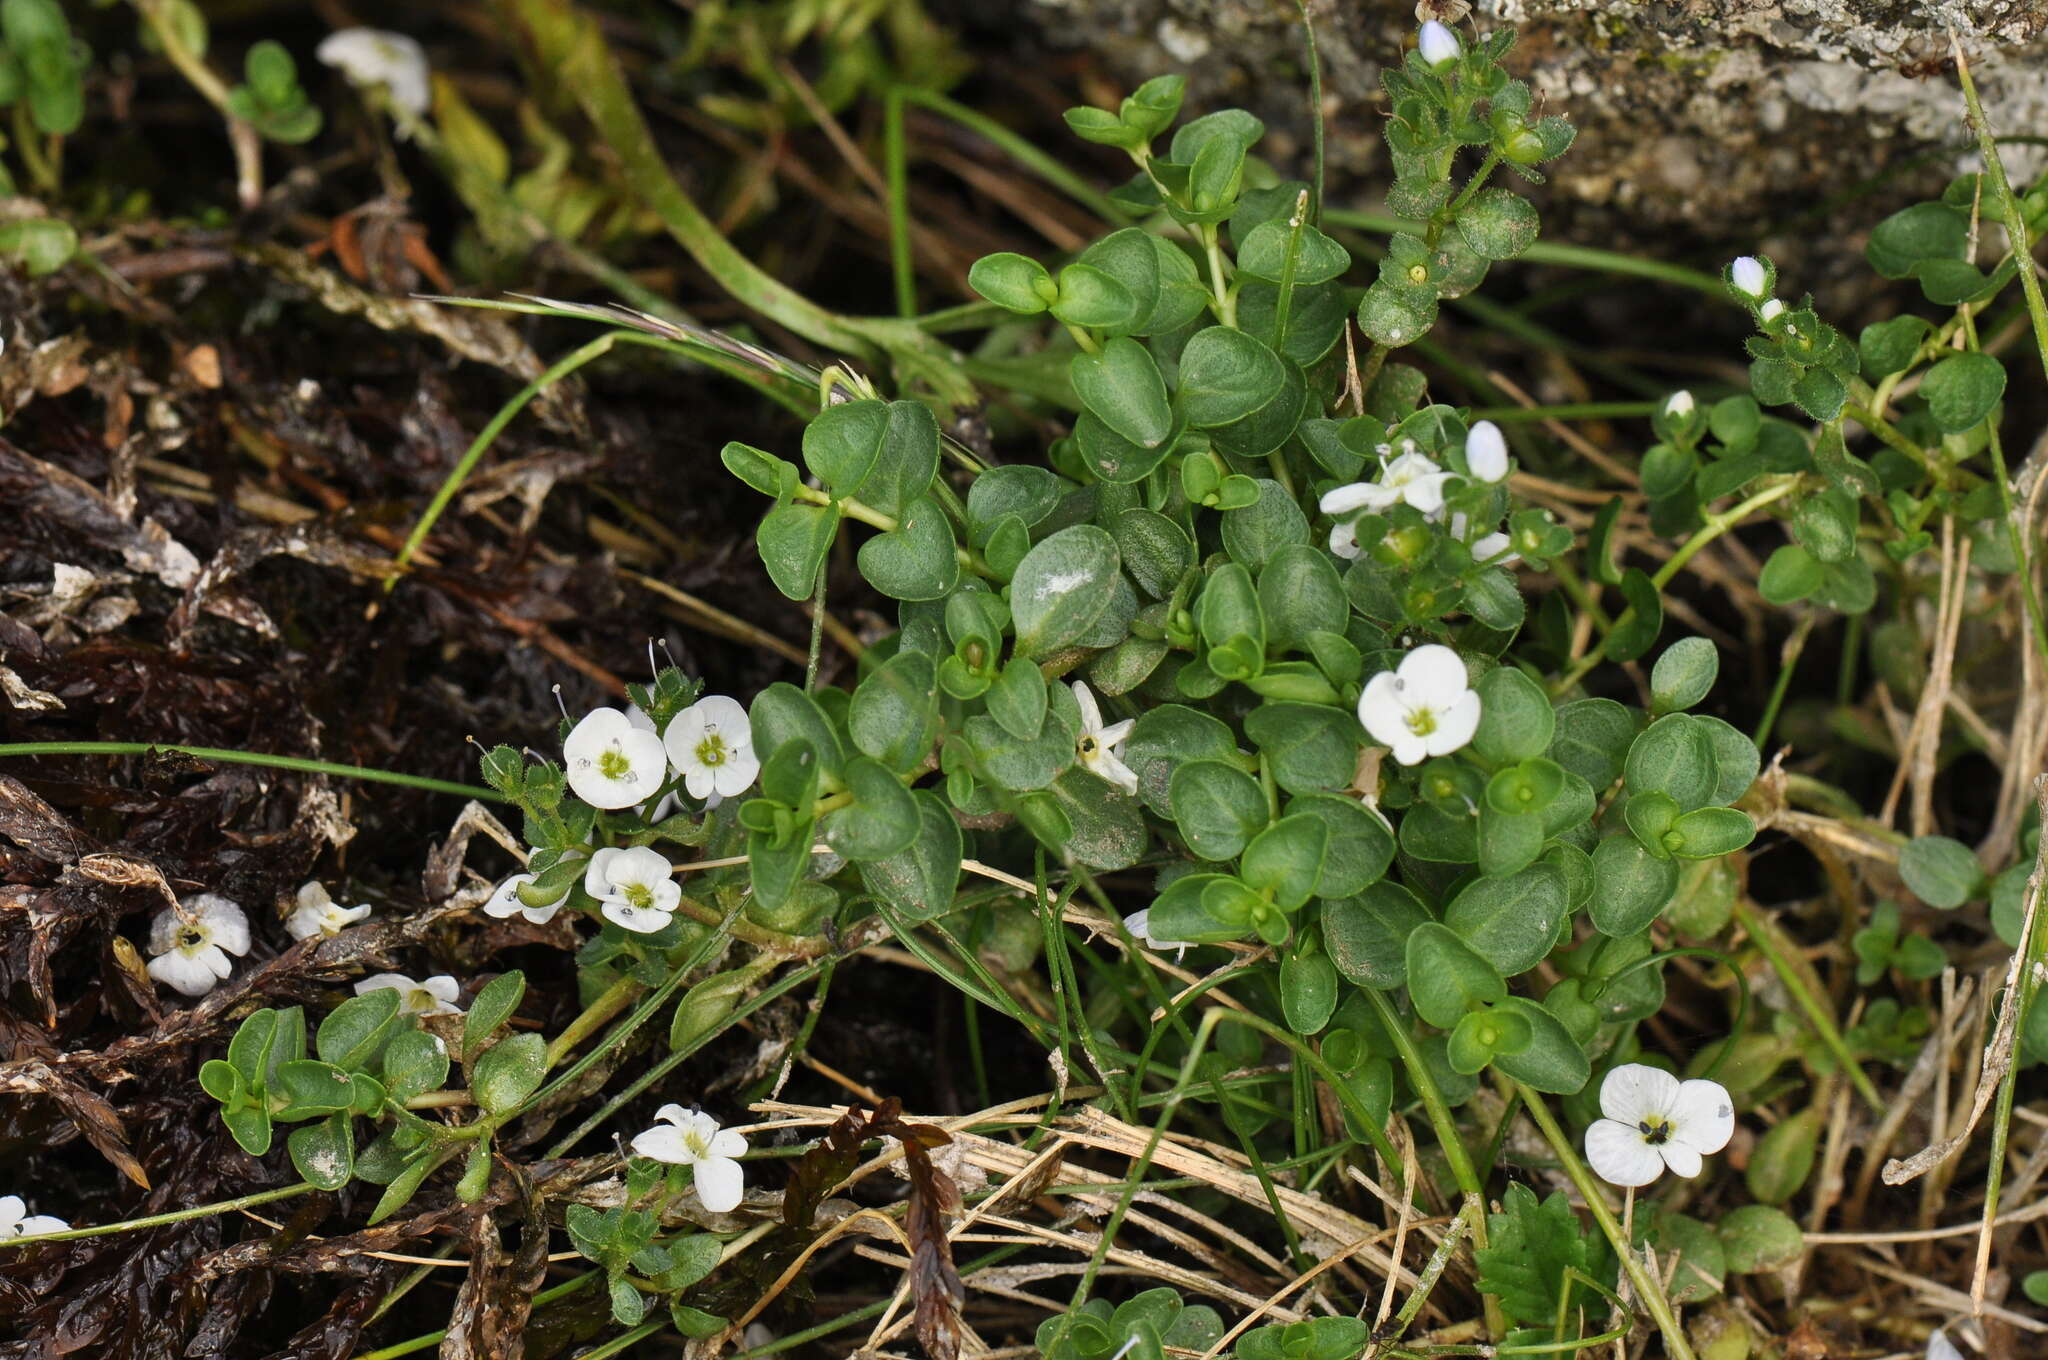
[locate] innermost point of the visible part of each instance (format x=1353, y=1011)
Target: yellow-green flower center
x=1421, y=721
x=1655, y=1130
x=638, y=895
x=612, y=764
x=711, y=750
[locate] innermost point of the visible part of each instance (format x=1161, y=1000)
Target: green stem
x=30, y=143
x=896, y=168
x=1647, y=1287
x=609, y=1003
x=225, y=1206
x=2023, y=575
x=2015, y=218
x=887, y=523
x=1549, y=252
x=1888, y=434
x=1021, y=150
x=1788, y=662
x=420, y=1343
x=261, y=758
x=1777, y=951
x=1225, y=303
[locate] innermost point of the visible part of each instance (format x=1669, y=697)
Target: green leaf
x=1483, y=1034
x=40, y=245
x=1530, y=1246
x=493, y=1006
x=1784, y=1157
x=882, y=819
x=1308, y=990
x=1285, y=860
x=1217, y=806
x=1635, y=637
x=1255, y=534
x=1756, y=1238
x=1592, y=740
x=1697, y=1251
x=1062, y=587
x=843, y=443
x=1736, y=760
x=1674, y=755
x=1090, y=298
x=1105, y=827
x=1121, y=385
x=1446, y=977
x=1498, y=224
x=920, y=880
x=1166, y=738
x=1308, y=748
x=354, y=1031
x=415, y=1063
x=1317, y=259
x=793, y=541
x=1552, y=1060
x=1017, y=699
x=1367, y=934
x=1709, y=831
x=312, y=1088
x=909, y=460
x=1015, y=282
x=1515, y=718
x=1684, y=674
x=1014, y=764
x=1631, y=886
x=324, y=1154
x=1925, y=231
x=1155, y=551
x=893, y=714
x=781, y=714
x=509, y=1072
x=918, y=560
x=1962, y=390
x=1942, y=872
x=1888, y=347
x=1225, y=375
x=1359, y=845
x=1511, y=922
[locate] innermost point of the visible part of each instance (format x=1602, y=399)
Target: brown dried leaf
x=34, y=825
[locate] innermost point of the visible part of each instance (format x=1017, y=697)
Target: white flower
x=192, y=942
x=1678, y=404
x=1413, y=477
x=1771, y=310
x=1939, y=1347
x=1486, y=453
x=506, y=902
x=1344, y=539
x=1489, y=547
x=1096, y=746
x=711, y=744
x=611, y=763
x=433, y=996
x=1653, y=1121
x=633, y=887
x=1425, y=708
x=1139, y=923
x=375, y=56
x=17, y=1221
x=693, y=1139
x=319, y=914
x=1438, y=44
x=1747, y=274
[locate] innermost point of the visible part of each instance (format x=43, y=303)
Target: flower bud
x=1771, y=309
x=1438, y=45
x=1524, y=147
x=1678, y=404
x=1747, y=274
x=1486, y=453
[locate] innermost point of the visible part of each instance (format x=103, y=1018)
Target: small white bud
x=1679, y=404
x=1486, y=453
x=1439, y=46
x=1770, y=310
x=1747, y=272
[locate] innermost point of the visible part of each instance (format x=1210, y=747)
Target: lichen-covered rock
x=1711, y=116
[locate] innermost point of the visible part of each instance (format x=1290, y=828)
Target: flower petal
x=672, y=1112
x=181, y=973
x=728, y=1143
x=36, y=1224
x=443, y=987
x=1634, y=1092
x=725, y=716
x=597, y=877
x=1703, y=1115
x=1409, y=749
x=1381, y=711
x=634, y=919
x=664, y=1143
x=1351, y=496
x=1091, y=712
x=1116, y=733
x=505, y=901
x=1618, y=1154
x=1115, y=771
x=1680, y=1157
x=683, y=737
x=1454, y=725
x=720, y=1184
x=1433, y=673
x=12, y=1210
x=737, y=774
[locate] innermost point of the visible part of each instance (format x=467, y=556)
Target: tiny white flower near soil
x=633, y=887
x=611, y=763
x=1939, y=1347
x=191, y=943
x=17, y=1221
x=711, y=744
x=1439, y=46
x=1656, y=1122
x=1139, y=923
x=506, y=903
x=1771, y=310
x=1678, y=404
x=1746, y=272
x=316, y=913
x=429, y=996
x=1486, y=452
x=1491, y=546
x=1412, y=477
x=1096, y=746
x=375, y=56
x=692, y=1138
x=1344, y=540
x=1424, y=708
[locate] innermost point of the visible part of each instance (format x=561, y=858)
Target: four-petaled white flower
x=633, y=887
x=1678, y=404
x=1096, y=746
x=692, y=1138
x=1412, y=477
x=1424, y=708
x=1486, y=452
x=319, y=914
x=611, y=763
x=1771, y=310
x=375, y=56
x=17, y=1221
x=506, y=902
x=1438, y=44
x=192, y=942
x=712, y=746
x=1139, y=923
x=1654, y=1121
x=1747, y=274
x=430, y=996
